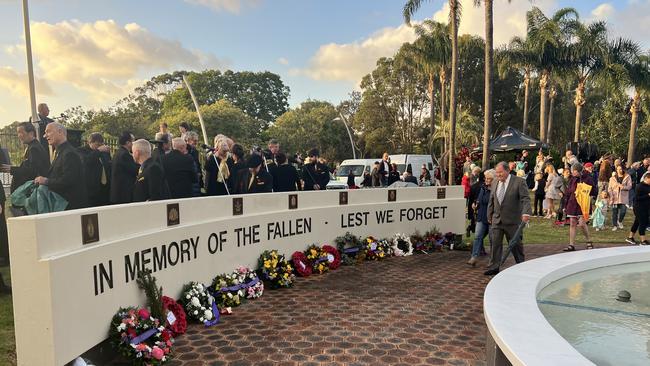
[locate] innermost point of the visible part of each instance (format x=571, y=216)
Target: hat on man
x=314, y=152
x=589, y=165
x=254, y=161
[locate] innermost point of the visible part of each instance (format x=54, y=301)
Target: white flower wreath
x=400, y=252
x=197, y=301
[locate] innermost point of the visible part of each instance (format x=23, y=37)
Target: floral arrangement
x=318, y=259
x=333, y=256
x=420, y=243
x=199, y=304
x=140, y=337
x=227, y=291
x=351, y=249
x=275, y=270
x=376, y=249
x=402, y=245
x=301, y=264
x=253, y=287
x=177, y=321
x=435, y=239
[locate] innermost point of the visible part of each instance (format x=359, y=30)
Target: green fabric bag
x=37, y=199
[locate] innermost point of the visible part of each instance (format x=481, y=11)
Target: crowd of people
x=384, y=173
x=569, y=192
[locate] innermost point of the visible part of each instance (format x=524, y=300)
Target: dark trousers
x=640, y=220
x=497, y=232
x=539, y=206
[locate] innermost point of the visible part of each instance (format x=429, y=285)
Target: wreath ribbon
x=351, y=250
x=144, y=336
x=215, y=315
x=241, y=286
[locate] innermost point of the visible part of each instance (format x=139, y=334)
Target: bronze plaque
x=173, y=214
x=89, y=229
x=442, y=193
x=293, y=201
x=237, y=206
x=392, y=195
x=343, y=198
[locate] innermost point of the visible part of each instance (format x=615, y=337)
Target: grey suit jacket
x=516, y=203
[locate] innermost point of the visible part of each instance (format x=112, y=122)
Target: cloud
x=603, y=11
x=283, y=61
x=102, y=58
x=17, y=83
x=351, y=61
x=630, y=21
x=509, y=18
x=232, y=6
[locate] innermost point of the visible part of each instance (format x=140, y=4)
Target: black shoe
x=491, y=272
x=645, y=242
x=631, y=241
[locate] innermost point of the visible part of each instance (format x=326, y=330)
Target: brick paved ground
x=419, y=310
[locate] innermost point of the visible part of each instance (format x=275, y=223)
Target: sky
x=93, y=53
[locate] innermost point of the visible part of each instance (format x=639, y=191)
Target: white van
x=415, y=161
x=357, y=166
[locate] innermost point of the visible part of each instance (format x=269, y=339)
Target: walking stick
x=515, y=240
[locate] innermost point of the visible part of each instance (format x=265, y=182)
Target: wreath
x=333, y=256
x=177, y=321
x=301, y=264
x=435, y=239
x=141, y=338
x=318, y=259
x=275, y=270
x=227, y=291
x=376, y=249
x=253, y=287
x=420, y=243
x=350, y=248
x=199, y=304
x=402, y=245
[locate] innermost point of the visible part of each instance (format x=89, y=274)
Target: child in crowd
x=540, y=185
x=600, y=212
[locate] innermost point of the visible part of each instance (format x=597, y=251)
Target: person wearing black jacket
x=66, y=176
x=179, y=170
x=254, y=179
x=97, y=166
x=218, y=169
x=315, y=175
x=641, y=208
x=237, y=154
x=123, y=171
x=35, y=160
x=393, y=175
x=285, y=176
x=192, y=138
x=150, y=184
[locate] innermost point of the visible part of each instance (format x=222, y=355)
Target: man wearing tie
x=97, y=166
x=506, y=210
x=384, y=169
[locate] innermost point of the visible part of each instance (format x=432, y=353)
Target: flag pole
x=30, y=69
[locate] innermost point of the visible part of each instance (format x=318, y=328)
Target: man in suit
x=192, y=139
x=384, y=169
x=179, y=170
x=507, y=208
x=123, y=171
x=315, y=175
x=150, y=184
x=271, y=156
x=285, y=176
x=43, y=121
x=66, y=176
x=254, y=179
x=35, y=160
x=97, y=166
x=163, y=145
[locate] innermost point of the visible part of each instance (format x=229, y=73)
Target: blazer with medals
x=262, y=182
x=315, y=174
x=35, y=163
x=515, y=203
x=150, y=184
x=66, y=176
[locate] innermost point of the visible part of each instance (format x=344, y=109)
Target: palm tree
x=432, y=50
x=638, y=77
x=519, y=55
x=410, y=8
x=548, y=38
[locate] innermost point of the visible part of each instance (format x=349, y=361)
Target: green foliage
x=147, y=283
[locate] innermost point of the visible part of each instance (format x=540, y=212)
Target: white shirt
x=505, y=184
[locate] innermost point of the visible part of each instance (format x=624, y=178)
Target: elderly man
x=508, y=206
x=96, y=158
x=150, y=184
x=179, y=170
x=43, y=121
x=66, y=176
x=123, y=172
x=35, y=159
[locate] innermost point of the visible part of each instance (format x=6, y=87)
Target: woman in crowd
x=641, y=209
x=482, y=225
x=218, y=167
x=425, y=177
x=393, y=174
x=553, y=191
x=474, y=191
x=619, y=187
x=573, y=210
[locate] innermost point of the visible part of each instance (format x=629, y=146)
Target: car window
x=344, y=170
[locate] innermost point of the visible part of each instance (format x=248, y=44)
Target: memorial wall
x=72, y=270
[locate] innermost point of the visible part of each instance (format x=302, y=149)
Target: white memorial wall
x=71, y=271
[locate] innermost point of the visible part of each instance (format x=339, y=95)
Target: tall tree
x=409, y=10
x=520, y=56
x=433, y=53
x=548, y=37
x=638, y=77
